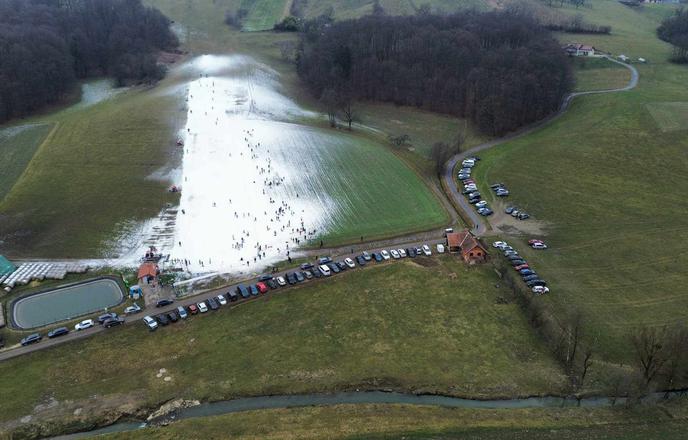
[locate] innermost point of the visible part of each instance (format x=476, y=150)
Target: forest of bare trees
x=502, y=70
x=674, y=30
x=45, y=46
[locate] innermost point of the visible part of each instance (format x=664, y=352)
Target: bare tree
x=330, y=100
x=347, y=105
x=649, y=346
x=399, y=141
x=440, y=154
x=675, y=369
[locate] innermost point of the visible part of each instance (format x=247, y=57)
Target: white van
x=324, y=270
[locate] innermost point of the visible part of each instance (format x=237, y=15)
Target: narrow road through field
x=479, y=228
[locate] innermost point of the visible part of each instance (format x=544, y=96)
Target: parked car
x=496, y=185
x=463, y=176
x=262, y=287
x=509, y=209
x=515, y=212
x=281, y=281
x=440, y=248
x=305, y=266
x=523, y=216
x=83, y=325
x=512, y=257
x=349, y=262
x=341, y=265
x=222, y=300
x=307, y=274
x=182, y=312
x=31, y=339
x=324, y=260
x=502, y=193
x=485, y=212
x=291, y=279
x=537, y=282
x=366, y=256
x=213, y=304
x=525, y=272
x=532, y=276
x=267, y=277
x=105, y=316
x=233, y=296
x=481, y=204
x=316, y=272
x=243, y=291
x=114, y=322
x=299, y=277
x=60, y=331
x=273, y=283
x=532, y=241
x=499, y=244
x=518, y=262
x=202, y=307
x=334, y=268
x=324, y=270
x=474, y=201
x=411, y=252
x=540, y=290
x=164, y=302
x=385, y=254
x=402, y=253
x=521, y=266
x=378, y=257
x=360, y=260
x=193, y=309
x=162, y=319
x=426, y=250
x=394, y=254
x=134, y=308
x=538, y=246
x=151, y=323
x=254, y=289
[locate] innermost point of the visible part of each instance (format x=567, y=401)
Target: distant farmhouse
x=579, y=50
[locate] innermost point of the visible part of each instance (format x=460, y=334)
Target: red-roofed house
x=578, y=50
x=467, y=245
x=148, y=272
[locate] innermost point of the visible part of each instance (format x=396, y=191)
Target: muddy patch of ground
x=505, y=224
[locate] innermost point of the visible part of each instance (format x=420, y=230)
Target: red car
x=193, y=309
x=522, y=266
x=535, y=240
x=262, y=287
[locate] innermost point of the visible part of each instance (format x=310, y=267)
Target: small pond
x=66, y=302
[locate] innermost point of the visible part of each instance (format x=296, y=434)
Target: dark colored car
x=366, y=256
x=306, y=266
x=214, y=305
x=162, y=319
x=377, y=257
x=114, y=322
x=172, y=316
x=411, y=252
x=523, y=216
x=474, y=200
x=243, y=291
x=254, y=290
x=265, y=277
x=291, y=278
x=496, y=185
x=334, y=268
x=360, y=260
x=509, y=209
x=232, y=296
x=526, y=272
x=324, y=260
x=308, y=274
x=60, y=331
x=316, y=273
x=104, y=317
x=342, y=265
x=193, y=308
x=537, y=282
x=271, y=284
x=299, y=277
x=518, y=262
x=164, y=302
x=31, y=339
x=532, y=276
x=514, y=257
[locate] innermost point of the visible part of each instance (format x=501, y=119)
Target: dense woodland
x=674, y=30
x=46, y=45
x=499, y=69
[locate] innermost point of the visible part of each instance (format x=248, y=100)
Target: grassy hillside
x=606, y=181
x=427, y=325
x=344, y=9
x=599, y=74
x=17, y=146
x=419, y=422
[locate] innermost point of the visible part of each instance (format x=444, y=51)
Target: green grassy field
x=599, y=74
x=427, y=325
x=345, y=9
x=606, y=183
x=17, y=146
x=421, y=422
x=262, y=14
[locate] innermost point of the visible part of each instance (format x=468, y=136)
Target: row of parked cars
x=324, y=267
x=470, y=187
x=107, y=320
x=537, y=285
x=516, y=212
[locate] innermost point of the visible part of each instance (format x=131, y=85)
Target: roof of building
x=6, y=267
x=464, y=240
x=148, y=269
x=579, y=46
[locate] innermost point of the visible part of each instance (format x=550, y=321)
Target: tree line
x=47, y=45
x=674, y=30
x=502, y=70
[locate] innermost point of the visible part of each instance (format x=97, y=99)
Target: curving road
x=451, y=184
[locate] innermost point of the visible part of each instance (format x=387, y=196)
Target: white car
x=481, y=204
x=440, y=248
x=222, y=300
x=426, y=250
x=539, y=245
x=181, y=311
x=150, y=323
x=384, y=254
x=349, y=262
x=500, y=244
x=540, y=290
x=134, y=308
x=395, y=254
x=83, y=325
x=281, y=281
x=202, y=307
x=324, y=270
x=402, y=253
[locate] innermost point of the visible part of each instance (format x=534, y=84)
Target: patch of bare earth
x=505, y=224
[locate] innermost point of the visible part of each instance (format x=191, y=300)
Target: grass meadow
x=606, y=182
x=425, y=325
x=17, y=146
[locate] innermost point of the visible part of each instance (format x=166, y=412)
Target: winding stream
x=361, y=397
